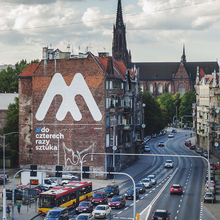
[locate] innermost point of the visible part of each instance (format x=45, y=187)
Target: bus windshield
x=47, y=201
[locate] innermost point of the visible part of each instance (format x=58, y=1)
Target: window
x=160, y=88
x=169, y=88
x=151, y=88
x=181, y=89
x=106, y=84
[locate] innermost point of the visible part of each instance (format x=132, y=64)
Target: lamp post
x=4, y=191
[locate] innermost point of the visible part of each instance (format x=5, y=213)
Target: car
x=140, y=187
x=42, y=188
x=99, y=198
x=188, y=143
x=85, y=216
x=85, y=206
x=204, y=154
x=212, y=178
x=6, y=177
x=169, y=164
x=154, y=135
x=161, y=214
x=161, y=144
x=69, y=176
x=147, y=182
x=101, y=211
x=153, y=179
x=58, y=213
x=146, y=148
x=147, y=138
x=209, y=197
x=1, y=180
x=212, y=165
x=174, y=131
x=117, y=202
x=176, y=189
x=171, y=135
x=112, y=189
x=192, y=147
x=130, y=194
x=198, y=150
x=212, y=170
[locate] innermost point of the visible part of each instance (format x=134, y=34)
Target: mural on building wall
x=78, y=86
x=76, y=157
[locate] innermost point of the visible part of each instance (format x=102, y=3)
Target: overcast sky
x=156, y=30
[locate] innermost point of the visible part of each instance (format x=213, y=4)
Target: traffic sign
x=211, y=184
x=216, y=144
x=114, y=148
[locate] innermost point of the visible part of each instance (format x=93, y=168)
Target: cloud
x=36, y=2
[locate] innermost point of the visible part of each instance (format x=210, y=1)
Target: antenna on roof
x=68, y=47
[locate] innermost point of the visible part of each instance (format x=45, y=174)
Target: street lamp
x=4, y=191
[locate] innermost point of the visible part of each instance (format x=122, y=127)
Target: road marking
x=119, y=213
x=125, y=209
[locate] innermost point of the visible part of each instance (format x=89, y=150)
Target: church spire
x=183, y=58
x=119, y=19
x=119, y=45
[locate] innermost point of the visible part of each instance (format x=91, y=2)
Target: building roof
x=29, y=70
x=165, y=70
x=6, y=99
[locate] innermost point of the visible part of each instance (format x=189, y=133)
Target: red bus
x=69, y=196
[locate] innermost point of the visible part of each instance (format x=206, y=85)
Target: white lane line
x=119, y=213
x=125, y=208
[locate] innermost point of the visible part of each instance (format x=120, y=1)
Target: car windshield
x=146, y=181
x=160, y=214
x=176, y=187
x=53, y=214
x=208, y=195
x=115, y=199
x=109, y=188
x=97, y=195
x=82, y=217
x=83, y=204
x=138, y=185
x=150, y=177
x=169, y=161
x=100, y=208
x=130, y=191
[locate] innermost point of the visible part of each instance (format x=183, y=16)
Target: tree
x=153, y=115
x=12, y=125
x=167, y=104
x=186, y=104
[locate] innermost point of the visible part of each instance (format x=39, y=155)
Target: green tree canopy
x=153, y=115
x=186, y=104
x=12, y=125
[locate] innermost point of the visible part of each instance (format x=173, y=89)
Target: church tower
x=119, y=45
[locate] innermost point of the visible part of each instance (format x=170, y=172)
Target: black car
x=18, y=194
x=42, y=188
x=130, y=194
x=140, y=187
x=112, y=189
x=161, y=214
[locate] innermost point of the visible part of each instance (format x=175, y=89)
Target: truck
x=39, y=179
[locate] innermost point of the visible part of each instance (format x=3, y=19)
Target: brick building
x=72, y=106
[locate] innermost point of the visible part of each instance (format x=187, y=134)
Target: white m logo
x=78, y=86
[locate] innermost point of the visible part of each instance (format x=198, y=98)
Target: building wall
x=3, y=120
x=69, y=136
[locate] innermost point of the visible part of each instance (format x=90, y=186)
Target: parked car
x=146, y=148
x=198, y=150
x=69, y=176
x=154, y=135
x=59, y=213
x=85, y=206
x=192, y=147
x=117, y=202
x=112, y=189
x=147, y=182
x=99, y=198
x=153, y=179
x=212, y=178
x=1, y=180
x=6, y=177
x=212, y=170
x=209, y=197
x=204, y=154
x=161, y=214
x=168, y=164
x=85, y=216
x=42, y=188
x=140, y=187
x=174, y=131
x=130, y=194
x=188, y=143
x=176, y=189
x=101, y=211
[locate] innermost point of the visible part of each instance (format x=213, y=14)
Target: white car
x=169, y=163
x=171, y=135
x=69, y=176
x=101, y=211
x=153, y=179
x=147, y=182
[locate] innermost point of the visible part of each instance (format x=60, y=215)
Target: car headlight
x=76, y=209
x=109, y=203
x=126, y=194
x=84, y=209
x=111, y=193
x=117, y=203
x=100, y=201
x=92, y=200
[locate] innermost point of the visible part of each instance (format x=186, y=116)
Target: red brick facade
x=42, y=137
